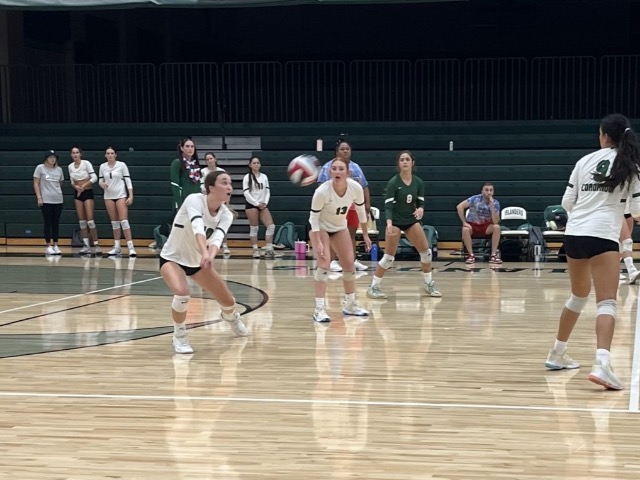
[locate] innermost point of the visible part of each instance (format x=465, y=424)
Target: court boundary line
x=78, y=295
x=634, y=387
x=302, y=401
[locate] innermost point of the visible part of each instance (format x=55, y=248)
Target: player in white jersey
x=328, y=219
x=255, y=187
x=598, y=187
x=198, y=229
x=115, y=180
x=626, y=245
x=82, y=178
x=212, y=166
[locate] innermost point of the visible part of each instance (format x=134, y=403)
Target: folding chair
x=514, y=235
x=554, y=222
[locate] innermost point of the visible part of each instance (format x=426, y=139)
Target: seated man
x=482, y=219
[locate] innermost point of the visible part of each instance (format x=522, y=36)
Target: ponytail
x=626, y=165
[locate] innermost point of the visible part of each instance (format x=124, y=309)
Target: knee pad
x=626, y=246
x=348, y=276
x=271, y=229
x=576, y=304
x=608, y=307
x=253, y=231
x=91, y=224
x=115, y=225
x=180, y=303
x=83, y=224
x=321, y=275
x=426, y=256
x=125, y=224
x=386, y=261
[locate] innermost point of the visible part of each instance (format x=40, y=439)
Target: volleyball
x=303, y=170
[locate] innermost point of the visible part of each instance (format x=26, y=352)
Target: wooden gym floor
x=451, y=388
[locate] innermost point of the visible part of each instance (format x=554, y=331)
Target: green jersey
x=401, y=200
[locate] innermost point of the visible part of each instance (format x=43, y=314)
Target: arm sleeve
x=126, y=177
x=221, y=230
x=100, y=173
x=93, y=178
x=389, y=199
x=193, y=208
x=247, y=193
x=634, y=194
x=420, y=199
x=571, y=192
x=359, y=201
x=267, y=191
x=317, y=204
x=176, y=189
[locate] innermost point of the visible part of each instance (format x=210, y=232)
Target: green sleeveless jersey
x=401, y=200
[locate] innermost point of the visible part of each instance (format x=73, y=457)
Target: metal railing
x=323, y=91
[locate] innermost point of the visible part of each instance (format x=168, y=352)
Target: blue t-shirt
x=479, y=211
x=354, y=170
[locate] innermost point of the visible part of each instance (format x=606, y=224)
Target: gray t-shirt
x=50, y=180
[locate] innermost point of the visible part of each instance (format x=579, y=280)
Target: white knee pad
x=321, y=275
x=608, y=307
x=180, y=303
x=125, y=224
x=348, y=276
x=253, y=231
x=83, y=224
x=626, y=245
x=576, y=304
x=115, y=225
x=271, y=229
x=386, y=261
x=91, y=224
x=426, y=256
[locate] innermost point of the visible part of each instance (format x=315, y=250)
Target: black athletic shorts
x=406, y=227
x=85, y=195
x=188, y=270
x=584, y=247
x=248, y=206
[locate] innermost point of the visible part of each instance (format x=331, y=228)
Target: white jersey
x=594, y=211
x=259, y=191
x=82, y=172
x=116, y=178
x=329, y=210
x=194, y=218
x=206, y=171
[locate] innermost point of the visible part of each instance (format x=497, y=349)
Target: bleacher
x=528, y=161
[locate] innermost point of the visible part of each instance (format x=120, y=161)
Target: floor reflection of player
x=340, y=427
x=122, y=313
x=260, y=322
x=190, y=434
x=480, y=302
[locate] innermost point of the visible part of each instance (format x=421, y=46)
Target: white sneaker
x=603, y=375
x=132, y=252
x=115, y=252
x=335, y=266
x=633, y=277
x=256, y=254
x=237, y=326
x=361, y=267
x=86, y=249
x=374, y=292
x=353, y=308
x=270, y=254
x=97, y=250
x=622, y=277
x=56, y=250
x=225, y=250
x=320, y=315
x=555, y=361
x=49, y=250
x=181, y=343
x=431, y=289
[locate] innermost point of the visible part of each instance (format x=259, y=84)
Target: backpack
x=536, y=237
x=432, y=236
x=286, y=235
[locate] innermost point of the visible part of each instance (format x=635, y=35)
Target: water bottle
x=27, y=231
x=374, y=252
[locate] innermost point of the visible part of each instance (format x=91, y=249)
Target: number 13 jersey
x=329, y=210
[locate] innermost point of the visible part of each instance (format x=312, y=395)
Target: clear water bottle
x=27, y=231
x=374, y=252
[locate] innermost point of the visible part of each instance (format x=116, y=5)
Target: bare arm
x=462, y=206
x=36, y=189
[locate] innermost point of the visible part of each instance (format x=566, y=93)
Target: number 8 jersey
x=594, y=210
x=192, y=218
x=329, y=210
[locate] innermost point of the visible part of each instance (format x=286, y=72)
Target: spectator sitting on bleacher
x=481, y=219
